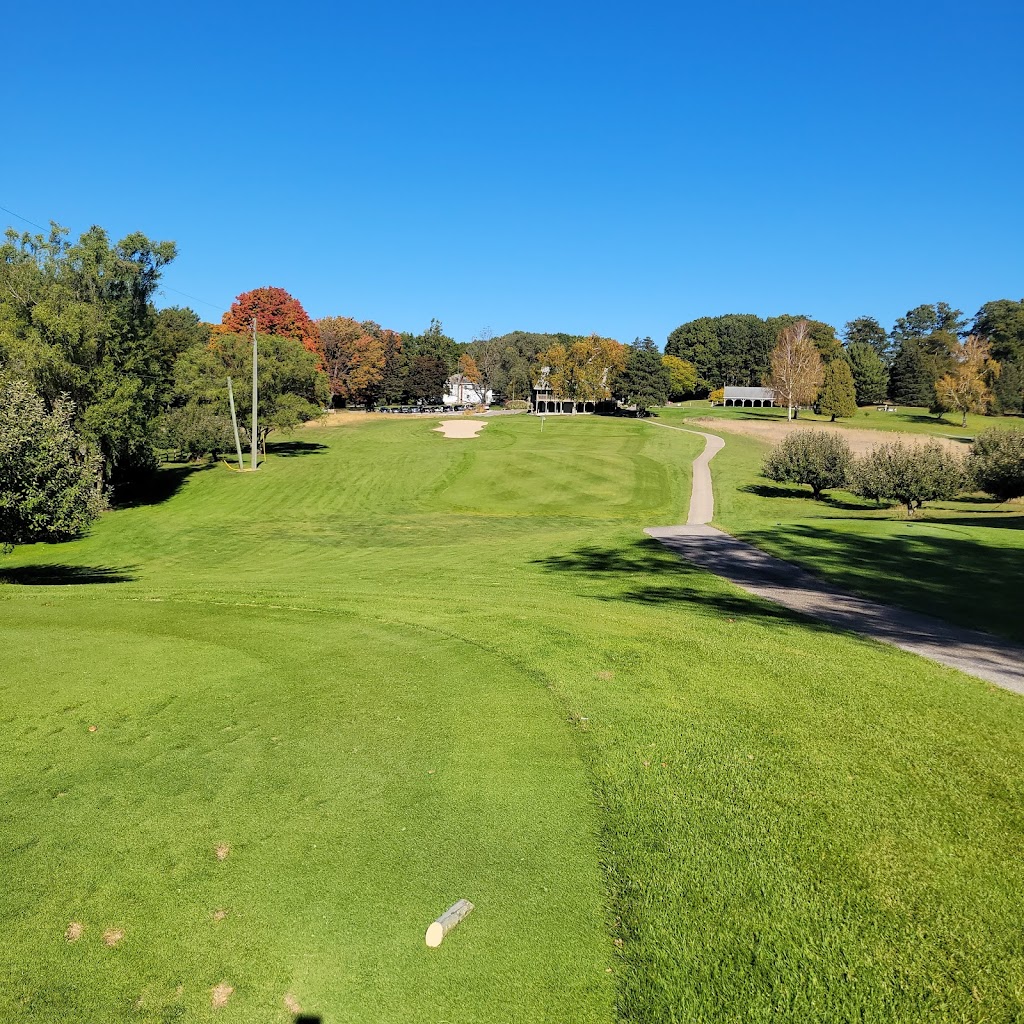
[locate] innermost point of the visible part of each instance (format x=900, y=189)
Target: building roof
x=765, y=394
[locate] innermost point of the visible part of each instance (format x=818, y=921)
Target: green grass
x=396, y=670
x=906, y=420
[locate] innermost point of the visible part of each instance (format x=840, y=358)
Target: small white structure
x=751, y=398
x=459, y=390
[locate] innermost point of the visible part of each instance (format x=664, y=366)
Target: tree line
x=933, y=356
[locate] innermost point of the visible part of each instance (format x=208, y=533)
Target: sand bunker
x=460, y=428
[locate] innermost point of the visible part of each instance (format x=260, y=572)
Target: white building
x=459, y=390
x=751, y=398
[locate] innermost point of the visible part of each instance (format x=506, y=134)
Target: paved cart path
x=978, y=654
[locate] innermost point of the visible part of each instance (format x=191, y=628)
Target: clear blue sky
x=543, y=166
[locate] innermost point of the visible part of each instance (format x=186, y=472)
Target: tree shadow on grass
x=950, y=575
x=295, y=449
x=847, y=504
x=156, y=487
x=65, y=575
x=678, y=582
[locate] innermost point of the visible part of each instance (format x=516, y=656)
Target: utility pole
x=255, y=397
x=234, y=423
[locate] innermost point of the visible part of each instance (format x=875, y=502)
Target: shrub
x=996, y=463
x=909, y=474
x=817, y=458
x=516, y=403
x=194, y=430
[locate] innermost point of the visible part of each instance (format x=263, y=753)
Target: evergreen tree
x=1008, y=390
x=868, y=331
x=870, y=377
x=911, y=382
x=644, y=382
x=838, y=395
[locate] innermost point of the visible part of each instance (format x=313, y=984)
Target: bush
x=516, y=403
x=909, y=474
x=996, y=463
x=194, y=430
x=817, y=458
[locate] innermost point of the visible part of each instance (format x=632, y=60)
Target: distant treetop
x=276, y=312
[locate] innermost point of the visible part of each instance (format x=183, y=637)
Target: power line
x=163, y=287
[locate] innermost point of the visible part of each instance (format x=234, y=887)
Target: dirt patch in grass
x=220, y=995
x=860, y=440
x=221, y=850
x=74, y=931
x=219, y=915
x=291, y=1004
x=112, y=936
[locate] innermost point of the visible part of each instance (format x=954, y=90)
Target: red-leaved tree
x=276, y=313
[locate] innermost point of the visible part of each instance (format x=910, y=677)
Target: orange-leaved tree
x=276, y=313
x=354, y=357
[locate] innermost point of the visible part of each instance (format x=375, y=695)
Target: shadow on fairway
x=949, y=574
x=848, y=505
x=65, y=575
x=294, y=449
x=308, y=1018
x=678, y=582
x=157, y=487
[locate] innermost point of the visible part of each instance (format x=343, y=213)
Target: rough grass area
x=389, y=671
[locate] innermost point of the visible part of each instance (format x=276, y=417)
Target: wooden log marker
x=446, y=922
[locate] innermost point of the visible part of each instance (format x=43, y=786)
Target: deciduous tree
x=966, y=387
x=818, y=458
x=276, y=313
x=909, y=473
x=682, y=377
x=996, y=463
x=49, y=480
x=796, y=370
x=354, y=358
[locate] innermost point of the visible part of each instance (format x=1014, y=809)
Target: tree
x=427, y=378
x=292, y=388
x=353, y=357
x=49, y=480
x=966, y=387
x=911, y=474
x=935, y=330
x=682, y=377
x=77, y=319
x=644, y=381
x=583, y=370
x=1008, y=389
x=730, y=349
x=866, y=330
x=870, y=377
x=1001, y=324
x=795, y=367
x=910, y=379
x=819, y=458
x=193, y=431
x=838, y=395
x=434, y=343
x=276, y=313
x=995, y=464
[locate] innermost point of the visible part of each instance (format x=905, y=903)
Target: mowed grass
x=392, y=670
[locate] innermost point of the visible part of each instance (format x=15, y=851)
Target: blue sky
x=541, y=166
